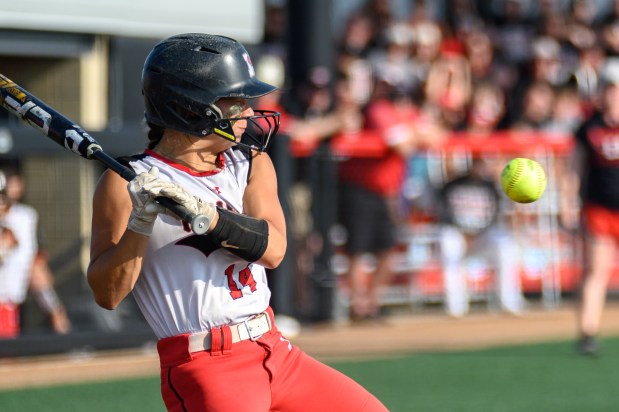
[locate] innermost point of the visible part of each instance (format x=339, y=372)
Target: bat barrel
x=41, y=116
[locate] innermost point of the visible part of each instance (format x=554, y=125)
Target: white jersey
x=188, y=283
x=16, y=262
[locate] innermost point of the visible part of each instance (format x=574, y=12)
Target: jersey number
x=245, y=279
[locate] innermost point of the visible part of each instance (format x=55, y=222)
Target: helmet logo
x=250, y=66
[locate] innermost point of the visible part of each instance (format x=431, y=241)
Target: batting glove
x=145, y=208
x=194, y=204
x=146, y=187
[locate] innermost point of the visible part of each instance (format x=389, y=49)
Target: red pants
x=269, y=374
x=9, y=320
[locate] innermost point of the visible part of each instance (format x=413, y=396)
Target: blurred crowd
x=478, y=67
x=465, y=70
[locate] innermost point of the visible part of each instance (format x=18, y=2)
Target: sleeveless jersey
x=16, y=263
x=188, y=283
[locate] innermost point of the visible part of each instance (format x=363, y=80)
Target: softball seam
x=515, y=177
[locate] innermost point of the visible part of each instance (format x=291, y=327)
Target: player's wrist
x=140, y=225
x=209, y=211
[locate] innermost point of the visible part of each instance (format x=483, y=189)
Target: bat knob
x=200, y=224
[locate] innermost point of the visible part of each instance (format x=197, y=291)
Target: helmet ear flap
x=220, y=125
x=207, y=123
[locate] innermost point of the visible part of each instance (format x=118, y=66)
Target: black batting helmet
x=185, y=75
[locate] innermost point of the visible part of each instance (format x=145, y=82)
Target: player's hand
x=194, y=204
x=142, y=190
x=146, y=187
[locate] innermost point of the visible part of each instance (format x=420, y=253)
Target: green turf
x=546, y=377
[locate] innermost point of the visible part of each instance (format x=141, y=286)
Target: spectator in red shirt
x=370, y=188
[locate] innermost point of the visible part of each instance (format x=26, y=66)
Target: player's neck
x=188, y=152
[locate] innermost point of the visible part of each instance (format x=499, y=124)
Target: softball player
x=206, y=297
x=18, y=246
x=23, y=266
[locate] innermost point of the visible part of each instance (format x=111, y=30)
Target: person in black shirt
x=597, y=159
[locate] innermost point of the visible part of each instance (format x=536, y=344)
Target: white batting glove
x=192, y=203
x=146, y=187
x=145, y=208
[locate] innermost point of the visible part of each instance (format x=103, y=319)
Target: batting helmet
x=185, y=75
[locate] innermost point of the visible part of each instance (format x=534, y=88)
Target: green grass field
x=544, y=377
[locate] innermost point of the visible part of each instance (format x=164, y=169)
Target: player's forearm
x=112, y=274
x=276, y=249
x=253, y=239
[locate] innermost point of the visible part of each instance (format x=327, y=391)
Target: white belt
x=253, y=328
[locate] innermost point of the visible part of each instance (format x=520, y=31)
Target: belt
x=253, y=328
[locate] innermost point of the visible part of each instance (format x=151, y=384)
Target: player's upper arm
x=262, y=201
x=111, y=210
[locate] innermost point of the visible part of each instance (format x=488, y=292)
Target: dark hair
x=10, y=166
x=155, y=133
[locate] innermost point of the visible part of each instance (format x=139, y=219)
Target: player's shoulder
x=131, y=160
x=23, y=211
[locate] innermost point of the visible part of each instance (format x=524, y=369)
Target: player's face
x=236, y=108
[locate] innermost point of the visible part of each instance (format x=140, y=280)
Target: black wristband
x=243, y=236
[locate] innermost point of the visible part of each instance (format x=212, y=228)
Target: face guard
x=260, y=128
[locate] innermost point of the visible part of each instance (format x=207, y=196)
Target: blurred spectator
x=549, y=62
x=427, y=47
x=548, y=9
x=547, y=66
x=598, y=162
x=610, y=37
x=472, y=240
x=316, y=117
x=381, y=16
x=486, y=110
x=274, y=22
x=536, y=108
x=612, y=13
x=369, y=190
x=514, y=31
x=485, y=65
x=463, y=17
x=568, y=112
x=358, y=36
x=585, y=12
x=23, y=266
x=448, y=86
x=587, y=70
x=393, y=63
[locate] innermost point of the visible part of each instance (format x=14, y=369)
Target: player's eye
x=236, y=109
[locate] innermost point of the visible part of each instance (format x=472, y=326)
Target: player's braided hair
x=155, y=133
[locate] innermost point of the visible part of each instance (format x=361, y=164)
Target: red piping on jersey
x=219, y=162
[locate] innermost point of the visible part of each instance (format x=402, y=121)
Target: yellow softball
x=523, y=180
